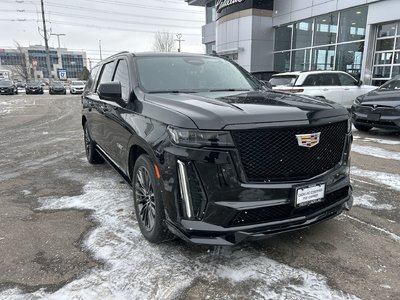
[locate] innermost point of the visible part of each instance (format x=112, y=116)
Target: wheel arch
x=135, y=151
x=84, y=120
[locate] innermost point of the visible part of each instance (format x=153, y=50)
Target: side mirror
x=110, y=91
x=359, y=83
x=267, y=84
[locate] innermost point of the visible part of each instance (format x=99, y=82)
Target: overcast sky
x=119, y=24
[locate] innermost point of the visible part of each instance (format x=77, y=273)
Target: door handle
x=325, y=90
x=347, y=89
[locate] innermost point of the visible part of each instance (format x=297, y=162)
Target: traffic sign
x=62, y=74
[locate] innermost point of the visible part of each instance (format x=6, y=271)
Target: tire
x=16, y=92
x=362, y=127
x=149, y=207
x=92, y=155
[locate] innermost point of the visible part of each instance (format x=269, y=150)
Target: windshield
x=77, y=83
x=391, y=85
x=58, y=83
x=33, y=83
x=191, y=74
x=5, y=82
x=283, y=80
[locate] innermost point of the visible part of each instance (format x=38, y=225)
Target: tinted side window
x=122, y=76
x=346, y=80
x=329, y=79
x=92, y=78
x=312, y=80
x=107, y=73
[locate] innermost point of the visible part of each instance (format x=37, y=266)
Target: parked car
x=33, y=87
x=336, y=86
x=77, y=87
x=57, y=87
x=379, y=108
x=7, y=87
x=212, y=155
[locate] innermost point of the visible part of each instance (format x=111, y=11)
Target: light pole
x=46, y=43
x=101, y=56
x=58, y=37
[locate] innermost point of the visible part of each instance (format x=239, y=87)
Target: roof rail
x=119, y=53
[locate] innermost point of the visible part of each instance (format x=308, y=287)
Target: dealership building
x=361, y=37
x=34, y=58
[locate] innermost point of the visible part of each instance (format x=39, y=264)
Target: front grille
x=286, y=211
x=273, y=154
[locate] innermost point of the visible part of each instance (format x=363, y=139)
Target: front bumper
x=228, y=211
x=58, y=91
x=6, y=91
x=385, y=118
x=34, y=90
x=76, y=91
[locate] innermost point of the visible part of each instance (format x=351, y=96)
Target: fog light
x=184, y=188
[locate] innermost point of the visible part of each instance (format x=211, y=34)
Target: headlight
x=197, y=138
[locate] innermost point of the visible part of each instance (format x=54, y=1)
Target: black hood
x=382, y=97
x=217, y=110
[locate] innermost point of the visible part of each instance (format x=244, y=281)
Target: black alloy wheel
x=149, y=208
x=92, y=155
x=144, y=193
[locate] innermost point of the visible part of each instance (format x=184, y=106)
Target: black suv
x=33, y=87
x=8, y=87
x=212, y=155
x=57, y=87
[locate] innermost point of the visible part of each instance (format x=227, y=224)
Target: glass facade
x=40, y=56
x=333, y=41
x=73, y=63
x=11, y=58
x=211, y=13
x=387, y=53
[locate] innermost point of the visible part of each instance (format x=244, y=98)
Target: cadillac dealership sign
x=221, y=4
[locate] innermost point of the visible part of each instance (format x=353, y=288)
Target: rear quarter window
x=283, y=80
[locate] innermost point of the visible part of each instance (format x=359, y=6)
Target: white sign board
x=62, y=74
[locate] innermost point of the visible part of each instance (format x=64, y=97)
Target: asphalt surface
x=67, y=228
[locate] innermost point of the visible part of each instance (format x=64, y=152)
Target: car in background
x=34, y=87
x=57, y=87
x=379, y=108
x=336, y=86
x=77, y=87
x=7, y=87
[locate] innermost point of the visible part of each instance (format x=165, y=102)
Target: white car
x=336, y=86
x=77, y=87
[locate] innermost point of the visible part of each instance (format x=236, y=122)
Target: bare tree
x=163, y=42
x=21, y=69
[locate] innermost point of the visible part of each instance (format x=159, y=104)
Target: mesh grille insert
x=273, y=154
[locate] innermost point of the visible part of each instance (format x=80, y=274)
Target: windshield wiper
x=173, y=92
x=229, y=90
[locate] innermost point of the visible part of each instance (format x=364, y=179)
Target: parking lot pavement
x=67, y=228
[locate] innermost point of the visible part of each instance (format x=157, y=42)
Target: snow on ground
x=376, y=152
x=370, y=202
x=391, y=180
x=136, y=269
x=378, y=141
